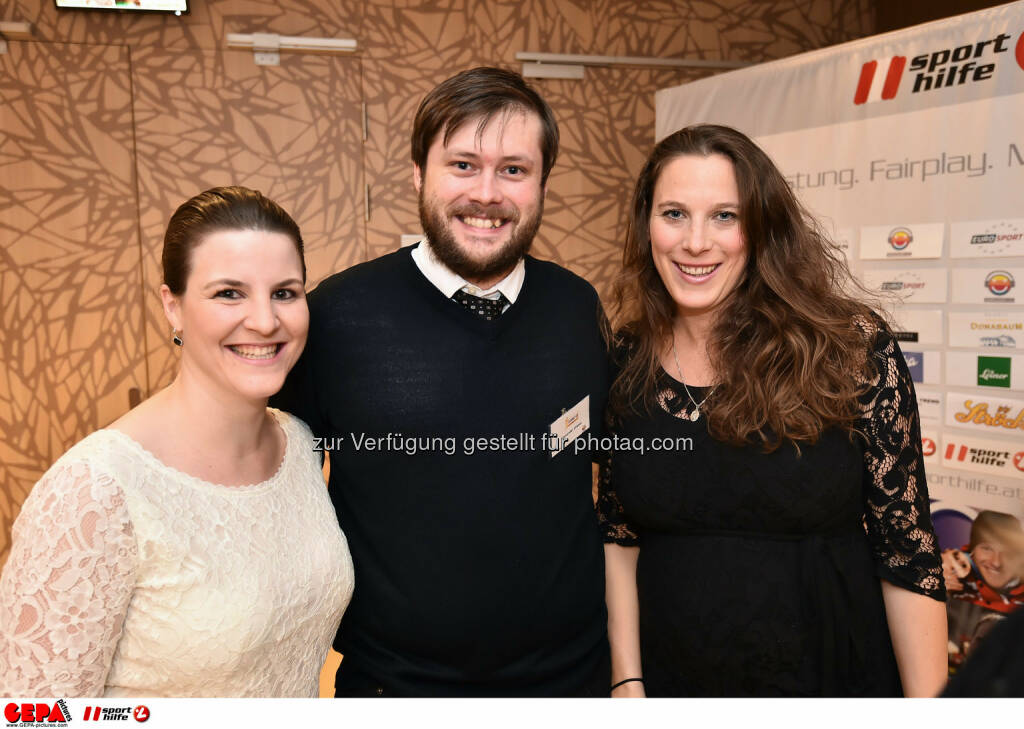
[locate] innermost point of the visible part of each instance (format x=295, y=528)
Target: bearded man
x=461, y=384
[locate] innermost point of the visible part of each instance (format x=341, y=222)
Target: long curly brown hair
x=788, y=346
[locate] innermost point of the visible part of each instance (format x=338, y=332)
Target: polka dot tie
x=487, y=308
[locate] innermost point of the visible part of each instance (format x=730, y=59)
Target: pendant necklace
x=695, y=415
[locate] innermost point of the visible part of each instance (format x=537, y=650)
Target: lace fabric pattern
x=127, y=577
x=896, y=509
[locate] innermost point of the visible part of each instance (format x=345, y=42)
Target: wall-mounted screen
x=178, y=7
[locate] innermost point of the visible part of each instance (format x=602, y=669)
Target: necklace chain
x=696, y=406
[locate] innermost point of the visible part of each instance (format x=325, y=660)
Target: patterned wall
x=70, y=286
x=150, y=109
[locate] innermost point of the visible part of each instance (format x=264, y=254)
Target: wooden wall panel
x=207, y=118
x=70, y=313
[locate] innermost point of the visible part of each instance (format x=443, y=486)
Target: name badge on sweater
x=569, y=426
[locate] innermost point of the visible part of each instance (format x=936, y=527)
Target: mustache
x=474, y=210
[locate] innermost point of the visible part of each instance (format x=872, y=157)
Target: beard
x=437, y=227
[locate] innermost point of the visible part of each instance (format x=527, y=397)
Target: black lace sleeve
x=609, y=510
x=897, y=515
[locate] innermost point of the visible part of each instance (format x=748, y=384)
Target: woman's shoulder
x=104, y=453
x=293, y=426
x=88, y=477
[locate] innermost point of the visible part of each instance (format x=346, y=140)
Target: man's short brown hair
x=479, y=94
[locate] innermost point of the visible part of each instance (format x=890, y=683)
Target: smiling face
x=696, y=239
x=480, y=196
x=243, y=313
x=990, y=557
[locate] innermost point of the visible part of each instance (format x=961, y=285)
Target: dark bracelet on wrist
x=625, y=680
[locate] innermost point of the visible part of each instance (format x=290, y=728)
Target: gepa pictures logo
x=880, y=80
x=37, y=714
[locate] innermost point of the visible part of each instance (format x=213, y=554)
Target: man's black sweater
x=478, y=570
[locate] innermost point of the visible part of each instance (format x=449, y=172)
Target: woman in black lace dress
x=765, y=510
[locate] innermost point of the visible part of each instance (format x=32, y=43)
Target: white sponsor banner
x=896, y=241
x=980, y=238
x=918, y=326
x=995, y=285
x=986, y=329
x=997, y=371
x=846, y=240
x=924, y=366
x=930, y=445
x=929, y=403
x=993, y=456
x=908, y=285
x=979, y=490
x=987, y=413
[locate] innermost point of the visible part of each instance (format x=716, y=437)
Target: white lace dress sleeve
x=65, y=589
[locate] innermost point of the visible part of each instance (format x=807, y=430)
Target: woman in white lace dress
x=190, y=548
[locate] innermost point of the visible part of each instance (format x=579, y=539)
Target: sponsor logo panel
x=979, y=369
x=930, y=446
x=985, y=329
x=929, y=403
x=893, y=242
x=980, y=238
x=983, y=455
x=990, y=413
x=924, y=366
x=994, y=371
x=846, y=241
x=995, y=285
x=917, y=286
x=918, y=325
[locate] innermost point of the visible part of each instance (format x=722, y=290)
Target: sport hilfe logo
x=927, y=447
x=116, y=713
x=939, y=69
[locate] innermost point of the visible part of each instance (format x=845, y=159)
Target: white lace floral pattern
x=127, y=577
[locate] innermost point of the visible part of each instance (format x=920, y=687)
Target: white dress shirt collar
x=448, y=282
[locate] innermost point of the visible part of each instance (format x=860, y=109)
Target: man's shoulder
x=555, y=277
x=356, y=280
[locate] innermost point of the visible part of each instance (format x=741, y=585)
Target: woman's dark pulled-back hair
x=480, y=94
x=219, y=209
x=788, y=346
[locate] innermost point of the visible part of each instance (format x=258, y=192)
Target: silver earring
x=176, y=338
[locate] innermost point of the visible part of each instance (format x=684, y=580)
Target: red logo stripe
x=1020, y=51
x=867, y=74
x=892, y=79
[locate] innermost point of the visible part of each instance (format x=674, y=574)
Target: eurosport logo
x=116, y=713
x=999, y=282
x=880, y=80
x=37, y=714
x=900, y=238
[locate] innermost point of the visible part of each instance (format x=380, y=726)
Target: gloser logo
x=968, y=63
x=37, y=714
x=994, y=371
